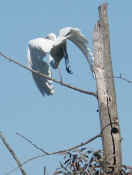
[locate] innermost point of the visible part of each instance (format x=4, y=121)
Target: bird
x=56, y=49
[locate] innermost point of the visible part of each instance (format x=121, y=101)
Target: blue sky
x=67, y=118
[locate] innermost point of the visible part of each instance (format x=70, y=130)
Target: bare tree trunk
x=111, y=138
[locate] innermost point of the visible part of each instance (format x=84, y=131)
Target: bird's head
x=51, y=36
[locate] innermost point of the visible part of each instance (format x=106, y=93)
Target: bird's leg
x=68, y=67
x=60, y=75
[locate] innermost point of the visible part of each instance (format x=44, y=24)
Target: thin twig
x=45, y=76
x=120, y=76
x=25, y=162
x=60, y=151
x=123, y=78
x=77, y=146
x=35, y=146
x=12, y=153
x=52, y=153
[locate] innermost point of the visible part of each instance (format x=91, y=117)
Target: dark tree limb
x=111, y=138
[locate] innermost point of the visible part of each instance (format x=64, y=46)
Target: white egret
x=56, y=48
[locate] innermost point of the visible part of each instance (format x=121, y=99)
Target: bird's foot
x=68, y=69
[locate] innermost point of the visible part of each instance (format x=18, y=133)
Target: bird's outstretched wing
x=74, y=35
x=35, y=54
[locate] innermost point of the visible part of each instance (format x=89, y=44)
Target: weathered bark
x=111, y=138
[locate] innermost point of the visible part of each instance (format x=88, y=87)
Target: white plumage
x=56, y=49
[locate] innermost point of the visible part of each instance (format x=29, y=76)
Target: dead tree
x=110, y=128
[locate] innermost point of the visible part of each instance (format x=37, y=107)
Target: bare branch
x=12, y=153
x=60, y=151
x=45, y=76
x=32, y=143
x=123, y=78
x=77, y=146
x=25, y=162
x=120, y=76
x=52, y=153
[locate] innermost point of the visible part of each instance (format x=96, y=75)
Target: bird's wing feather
x=45, y=86
x=34, y=56
x=42, y=44
x=74, y=35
